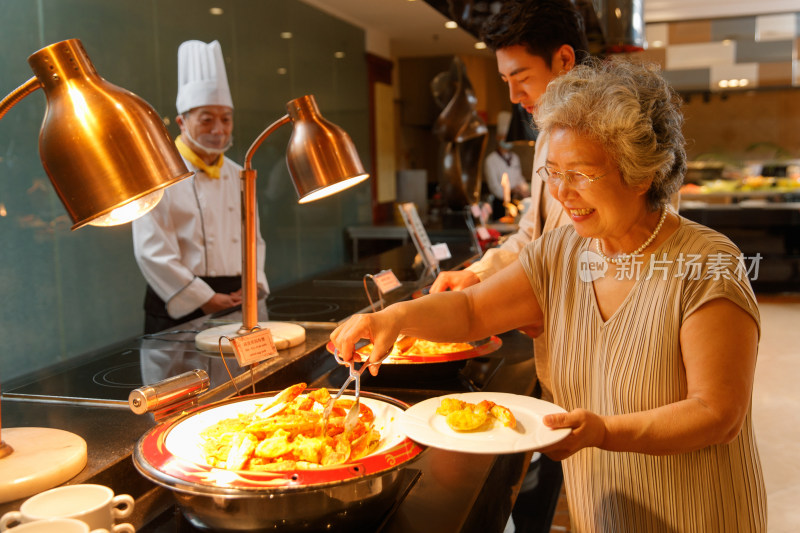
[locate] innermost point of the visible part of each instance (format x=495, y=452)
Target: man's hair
x=541, y=26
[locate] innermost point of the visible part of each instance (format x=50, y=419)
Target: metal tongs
x=352, y=414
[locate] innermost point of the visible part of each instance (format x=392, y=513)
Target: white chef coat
x=493, y=168
x=195, y=230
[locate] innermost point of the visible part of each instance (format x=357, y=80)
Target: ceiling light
x=216, y=11
x=282, y=71
x=451, y=24
x=338, y=55
x=658, y=44
x=723, y=83
x=480, y=45
x=744, y=82
x=286, y=35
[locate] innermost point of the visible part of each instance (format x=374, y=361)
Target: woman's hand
x=457, y=280
x=380, y=328
x=588, y=430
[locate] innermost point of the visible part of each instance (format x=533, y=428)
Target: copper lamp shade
x=321, y=157
x=102, y=146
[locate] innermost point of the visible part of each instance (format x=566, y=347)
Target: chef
x=503, y=161
x=189, y=247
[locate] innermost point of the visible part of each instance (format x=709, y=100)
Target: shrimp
x=321, y=396
x=449, y=405
x=463, y=416
x=286, y=434
x=467, y=419
x=285, y=396
x=504, y=415
x=274, y=446
x=336, y=453
x=242, y=447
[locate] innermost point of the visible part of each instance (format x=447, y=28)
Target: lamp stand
x=284, y=334
x=322, y=161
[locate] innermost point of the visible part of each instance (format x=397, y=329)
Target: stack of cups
x=71, y=509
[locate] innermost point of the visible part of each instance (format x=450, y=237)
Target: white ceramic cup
x=56, y=525
x=95, y=505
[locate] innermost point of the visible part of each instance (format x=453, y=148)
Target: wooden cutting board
x=285, y=335
x=42, y=459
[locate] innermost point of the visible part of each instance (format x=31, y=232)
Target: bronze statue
x=463, y=134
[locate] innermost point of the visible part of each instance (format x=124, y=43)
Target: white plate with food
x=482, y=422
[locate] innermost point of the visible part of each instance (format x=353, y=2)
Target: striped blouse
x=632, y=362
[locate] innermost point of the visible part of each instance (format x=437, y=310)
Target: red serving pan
x=351, y=495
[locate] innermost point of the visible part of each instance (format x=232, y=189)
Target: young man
x=534, y=42
x=189, y=246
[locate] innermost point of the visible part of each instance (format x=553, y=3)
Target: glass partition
x=66, y=293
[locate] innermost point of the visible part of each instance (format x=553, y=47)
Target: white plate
x=422, y=424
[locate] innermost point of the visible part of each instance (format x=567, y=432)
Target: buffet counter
x=445, y=491
x=769, y=231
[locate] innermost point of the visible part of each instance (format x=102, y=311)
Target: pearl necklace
x=623, y=258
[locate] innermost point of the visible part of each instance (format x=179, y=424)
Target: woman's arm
x=501, y=303
x=719, y=343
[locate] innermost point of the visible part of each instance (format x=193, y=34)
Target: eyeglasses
x=575, y=179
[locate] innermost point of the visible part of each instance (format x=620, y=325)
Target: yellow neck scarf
x=212, y=171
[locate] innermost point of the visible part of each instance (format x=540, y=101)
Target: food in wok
x=421, y=347
x=411, y=351
x=288, y=433
x=463, y=416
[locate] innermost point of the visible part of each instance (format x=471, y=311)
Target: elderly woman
x=651, y=324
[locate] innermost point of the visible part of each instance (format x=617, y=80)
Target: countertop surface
x=455, y=491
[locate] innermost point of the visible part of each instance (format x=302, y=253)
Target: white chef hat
x=202, y=79
x=503, y=121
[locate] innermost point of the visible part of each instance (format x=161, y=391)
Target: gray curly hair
x=631, y=110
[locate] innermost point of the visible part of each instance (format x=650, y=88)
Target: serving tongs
x=351, y=418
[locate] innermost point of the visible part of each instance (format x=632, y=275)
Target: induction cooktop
x=299, y=308
x=111, y=377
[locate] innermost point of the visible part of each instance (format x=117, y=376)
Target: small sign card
x=441, y=251
x=386, y=281
x=419, y=235
x=254, y=347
